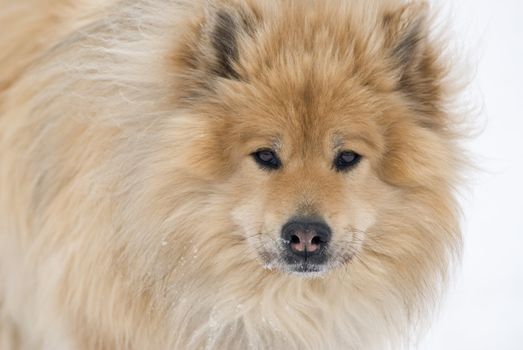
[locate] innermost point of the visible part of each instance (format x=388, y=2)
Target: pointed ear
x=210, y=48
x=223, y=40
x=416, y=59
x=225, y=27
x=407, y=29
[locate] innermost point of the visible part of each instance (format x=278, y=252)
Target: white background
x=484, y=308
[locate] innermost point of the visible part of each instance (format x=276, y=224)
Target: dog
x=224, y=174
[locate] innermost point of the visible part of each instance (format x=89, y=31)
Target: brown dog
x=223, y=174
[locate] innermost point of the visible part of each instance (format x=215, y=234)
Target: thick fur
x=132, y=215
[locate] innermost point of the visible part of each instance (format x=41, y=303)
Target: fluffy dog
x=223, y=174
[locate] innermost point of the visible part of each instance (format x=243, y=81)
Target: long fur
x=131, y=215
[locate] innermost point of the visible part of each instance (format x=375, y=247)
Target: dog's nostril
x=295, y=239
x=316, y=240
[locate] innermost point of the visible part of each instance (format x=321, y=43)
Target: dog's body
x=152, y=153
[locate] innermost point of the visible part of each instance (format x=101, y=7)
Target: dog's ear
x=225, y=27
x=407, y=30
x=210, y=50
x=415, y=58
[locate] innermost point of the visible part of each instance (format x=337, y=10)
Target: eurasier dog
x=223, y=174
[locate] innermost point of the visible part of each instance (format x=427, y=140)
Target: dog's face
x=305, y=187
x=312, y=127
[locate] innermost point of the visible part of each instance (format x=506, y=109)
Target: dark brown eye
x=267, y=159
x=346, y=160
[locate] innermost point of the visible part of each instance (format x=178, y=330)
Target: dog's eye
x=267, y=159
x=346, y=160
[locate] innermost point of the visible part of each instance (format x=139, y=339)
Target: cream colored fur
x=132, y=217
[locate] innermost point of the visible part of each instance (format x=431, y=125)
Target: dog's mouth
x=305, y=269
x=314, y=266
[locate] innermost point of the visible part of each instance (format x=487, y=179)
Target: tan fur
x=132, y=215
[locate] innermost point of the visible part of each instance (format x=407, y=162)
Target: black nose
x=306, y=237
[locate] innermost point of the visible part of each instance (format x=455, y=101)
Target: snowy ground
x=484, y=310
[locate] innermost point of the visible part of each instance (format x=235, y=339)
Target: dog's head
x=325, y=128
